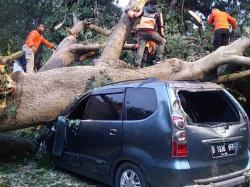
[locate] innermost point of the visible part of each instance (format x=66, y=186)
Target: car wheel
x=130, y=175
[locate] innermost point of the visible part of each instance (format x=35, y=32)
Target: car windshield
x=208, y=106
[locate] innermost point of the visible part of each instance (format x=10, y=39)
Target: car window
x=105, y=107
x=79, y=109
x=140, y=103
x=208, y=106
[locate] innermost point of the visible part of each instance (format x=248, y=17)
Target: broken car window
x=208, y=106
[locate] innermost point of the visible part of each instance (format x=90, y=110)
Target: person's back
x=149, y=18
x=221, y=20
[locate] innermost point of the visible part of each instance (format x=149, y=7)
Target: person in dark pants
x=151, y=22
x=221, y=21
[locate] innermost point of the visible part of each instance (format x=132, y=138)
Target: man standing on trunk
x=221, y=21
x=151, y=20
x=33, y=41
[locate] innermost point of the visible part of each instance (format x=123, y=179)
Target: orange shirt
x=221, y=20
x=35, y=39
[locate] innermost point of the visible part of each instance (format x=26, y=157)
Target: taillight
x=179, y=139
x=179, y=122
x=179, y=150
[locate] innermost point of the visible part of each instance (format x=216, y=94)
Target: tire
x=134, y=175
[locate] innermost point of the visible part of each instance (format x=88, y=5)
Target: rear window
x=208, y=106
x=140, y=103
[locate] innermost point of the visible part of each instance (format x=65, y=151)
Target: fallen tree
x=42, y=96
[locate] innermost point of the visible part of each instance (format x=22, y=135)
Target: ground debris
x=31, y=173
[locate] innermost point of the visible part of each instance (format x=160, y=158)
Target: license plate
x=223, y=150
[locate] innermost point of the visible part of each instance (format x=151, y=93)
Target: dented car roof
x=174, y=84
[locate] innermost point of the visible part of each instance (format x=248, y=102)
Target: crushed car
x=155, y=133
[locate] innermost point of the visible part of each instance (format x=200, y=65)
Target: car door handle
x=112, y=132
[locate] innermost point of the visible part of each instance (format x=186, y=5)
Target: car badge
x=221, y=130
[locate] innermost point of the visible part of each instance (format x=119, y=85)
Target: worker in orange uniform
x=151, y=21
x=33, y=41
x=221, y=21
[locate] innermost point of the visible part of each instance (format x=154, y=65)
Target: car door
x=100, y=131
x=70, y=153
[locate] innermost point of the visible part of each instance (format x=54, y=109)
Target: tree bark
x=232, y=77
x=57, y=88
x=112, y=50
x=11, y=58
x=66, y=52
x=43, y=96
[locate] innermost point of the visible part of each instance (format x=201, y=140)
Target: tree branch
x=230, y=54
x=87, y=25
x=118, y=37
x=11, y=58
x=65, y=55
x=240, y=60
x=95, y=47
x=232, y=77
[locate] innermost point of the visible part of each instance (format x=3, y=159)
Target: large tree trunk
x=43, y=96
x=113, y=48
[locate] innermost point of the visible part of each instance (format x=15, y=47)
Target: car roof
x=145, y=83
x=153, y=81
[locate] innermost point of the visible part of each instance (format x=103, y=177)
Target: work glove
x=54, y=48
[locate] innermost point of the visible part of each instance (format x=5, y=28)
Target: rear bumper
x=230, y=180
x=221, y=178
x=228, y=183
x=178, y=174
